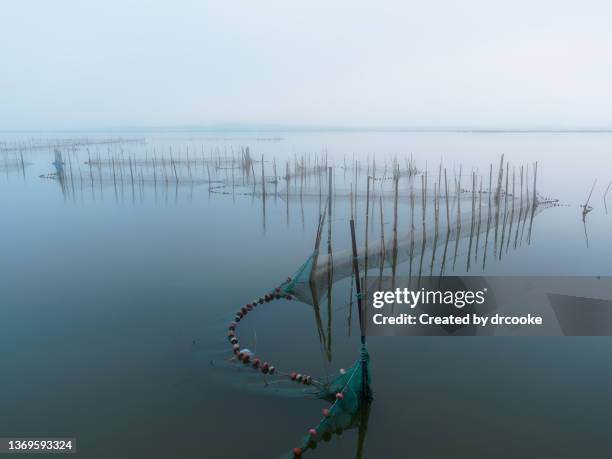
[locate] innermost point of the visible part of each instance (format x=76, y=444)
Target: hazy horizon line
x=248, y=127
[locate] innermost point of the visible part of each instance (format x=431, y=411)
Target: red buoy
x=325, y=412
x=293, y=375
x=297, y=452
x=339, y=396
x=312, y=432
x=255, y=362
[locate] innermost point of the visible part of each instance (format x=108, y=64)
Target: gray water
x=114, y=305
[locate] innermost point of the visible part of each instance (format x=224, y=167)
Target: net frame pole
x=364, y=374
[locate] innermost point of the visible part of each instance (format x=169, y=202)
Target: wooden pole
x=364, y=372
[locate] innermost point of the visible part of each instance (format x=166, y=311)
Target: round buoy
x=249, y=307
x=261, y=300
x=255, y=362
x=289, y=297
x=243, y=310
x=339, y=396
x=236, y=348
x=231, y=334
x=232, y=326
x=234, y=340
x=272, y=370
x=298, y=378
x=325, y=412
x=312, y=432
x=265, y=367
x=293, y=375
x=297, y=452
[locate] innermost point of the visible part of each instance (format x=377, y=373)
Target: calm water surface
x=114, y=305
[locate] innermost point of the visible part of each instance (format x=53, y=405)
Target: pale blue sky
x=118, y=63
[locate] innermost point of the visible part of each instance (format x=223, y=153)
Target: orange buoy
x=297, y=452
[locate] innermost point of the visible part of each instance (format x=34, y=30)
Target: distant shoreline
x=307, y=129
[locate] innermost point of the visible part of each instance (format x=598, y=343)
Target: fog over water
x=519, y=64
x=164, y=163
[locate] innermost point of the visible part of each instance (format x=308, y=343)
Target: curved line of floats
x=247, y=357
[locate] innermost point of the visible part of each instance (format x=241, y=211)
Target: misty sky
x=118, y=63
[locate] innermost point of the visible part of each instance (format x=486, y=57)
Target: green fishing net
x=350, y=410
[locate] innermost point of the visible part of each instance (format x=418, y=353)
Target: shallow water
x=115, y=301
